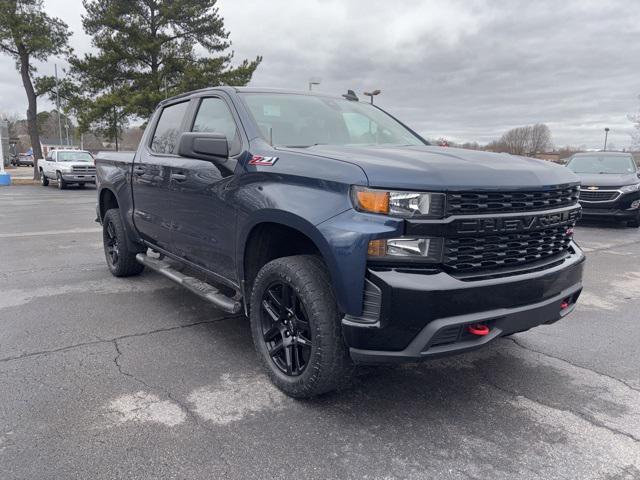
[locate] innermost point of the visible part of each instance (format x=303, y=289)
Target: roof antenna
x=351, y=96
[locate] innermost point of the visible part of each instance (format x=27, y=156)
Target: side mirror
x=204, y=146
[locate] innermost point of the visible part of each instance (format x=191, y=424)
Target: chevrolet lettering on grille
x=517, y=224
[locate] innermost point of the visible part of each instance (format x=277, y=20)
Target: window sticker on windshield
x=271, y=110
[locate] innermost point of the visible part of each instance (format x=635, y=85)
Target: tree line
x=143, y=52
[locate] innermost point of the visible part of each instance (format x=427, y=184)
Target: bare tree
x=516, y=140
x=527, y=140
x=540, y=139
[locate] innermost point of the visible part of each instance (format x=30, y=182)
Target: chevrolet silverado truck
x=340, y=232
x=67, y=166
x=610, y=186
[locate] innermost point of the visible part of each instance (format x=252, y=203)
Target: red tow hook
x=564, y=304
x=478, y=329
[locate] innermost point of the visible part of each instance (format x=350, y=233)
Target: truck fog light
x=634, y=205
x=420, y=249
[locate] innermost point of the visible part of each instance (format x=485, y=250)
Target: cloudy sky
x=461, y=69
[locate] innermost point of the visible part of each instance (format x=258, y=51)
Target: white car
x=67, y=166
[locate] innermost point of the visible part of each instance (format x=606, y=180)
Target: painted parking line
x=50, y=232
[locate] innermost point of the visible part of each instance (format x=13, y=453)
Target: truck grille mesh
x=469, y=203
x=468, y=254
x=595, y=196
x=83, y=169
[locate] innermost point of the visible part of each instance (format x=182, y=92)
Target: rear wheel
x=120, y=258
x=61, y=183
x=44, y=181
x=296, y=328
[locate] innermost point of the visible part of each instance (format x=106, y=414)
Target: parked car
x=610, y=185
x=22, y=160
x=343, y=235
x=67, y=167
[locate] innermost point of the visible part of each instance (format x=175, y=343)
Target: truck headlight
x=398, y=203
x=407, y=248
x=66, y=168
x=630, y=188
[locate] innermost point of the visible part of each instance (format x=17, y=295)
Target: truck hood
x=443, y=168
x=607, y=179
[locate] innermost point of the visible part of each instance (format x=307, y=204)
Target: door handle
x=138, y=171
x=178, y=177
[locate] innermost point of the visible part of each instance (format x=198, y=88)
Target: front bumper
x=621, y=208
x=427, y=315
x=75, y=177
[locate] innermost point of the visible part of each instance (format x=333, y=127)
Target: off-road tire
x=44, y=181
x=125, y=263
x=329, y=366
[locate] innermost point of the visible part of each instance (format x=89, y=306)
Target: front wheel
x=120, y=258
x=61, y=183
x=44, y=181
x=295, y=324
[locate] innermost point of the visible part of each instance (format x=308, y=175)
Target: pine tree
x=147, y=50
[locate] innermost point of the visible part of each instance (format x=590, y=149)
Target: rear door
x=202, y=211
x=151, y=174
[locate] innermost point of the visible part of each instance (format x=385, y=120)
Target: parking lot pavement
x=136, y=378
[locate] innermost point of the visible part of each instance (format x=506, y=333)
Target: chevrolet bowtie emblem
x=592, y=188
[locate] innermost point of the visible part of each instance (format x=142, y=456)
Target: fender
x=342, y=240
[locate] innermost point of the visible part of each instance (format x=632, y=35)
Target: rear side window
x=214, y=116
x=165, y=138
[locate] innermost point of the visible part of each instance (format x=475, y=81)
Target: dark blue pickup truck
x=343, y=235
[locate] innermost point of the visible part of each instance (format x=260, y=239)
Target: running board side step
x=200, y=288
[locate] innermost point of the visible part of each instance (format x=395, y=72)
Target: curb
x=24, y=181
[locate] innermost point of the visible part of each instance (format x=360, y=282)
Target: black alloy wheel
x=285, y=328
x=111, y=246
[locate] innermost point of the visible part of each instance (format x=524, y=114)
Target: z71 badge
x=262, y=161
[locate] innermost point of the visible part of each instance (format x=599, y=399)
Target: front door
x=204, y=218
x=151, y=177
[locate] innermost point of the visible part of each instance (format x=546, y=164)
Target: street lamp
x=606, y=134
x=372, y=94
x=313, y=81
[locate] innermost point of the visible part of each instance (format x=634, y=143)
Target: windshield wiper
x=304, y=146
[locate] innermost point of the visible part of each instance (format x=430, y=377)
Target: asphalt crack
x=623, y=382
x=590, y=420
x=197, y=421
x=111, y=340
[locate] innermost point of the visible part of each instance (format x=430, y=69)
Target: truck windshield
x=602, y=164
x=74, y=157
x=301, y=121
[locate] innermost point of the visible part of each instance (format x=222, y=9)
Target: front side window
x=294, y=120
x=214, y=116
x=165, y=138
x=602, y=163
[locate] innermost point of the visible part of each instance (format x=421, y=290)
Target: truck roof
x=247, y=90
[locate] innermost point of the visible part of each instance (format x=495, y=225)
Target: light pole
x=313, y=81
x=606, y=134
x=372, y=94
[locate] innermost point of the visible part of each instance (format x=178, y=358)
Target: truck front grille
x=468, y=254
x=84, y=169
x=475, y=203
x=598, y=196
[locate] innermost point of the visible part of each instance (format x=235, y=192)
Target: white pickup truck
x=67, y=166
